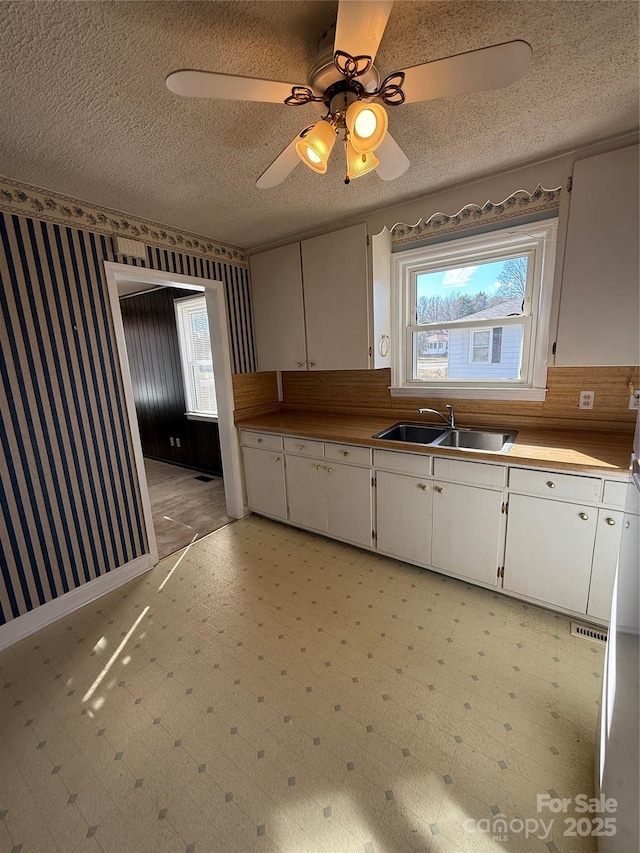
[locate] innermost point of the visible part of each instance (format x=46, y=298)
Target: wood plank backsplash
x=367, y=391
x=255, y=394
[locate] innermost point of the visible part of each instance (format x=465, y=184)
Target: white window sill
x=447, y=392
x=193, y=416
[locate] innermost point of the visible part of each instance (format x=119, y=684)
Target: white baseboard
x=19, y=628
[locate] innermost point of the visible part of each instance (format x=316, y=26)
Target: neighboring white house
x=436, y=344
x=491, y=352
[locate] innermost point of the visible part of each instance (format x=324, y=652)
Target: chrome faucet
x=450, y=418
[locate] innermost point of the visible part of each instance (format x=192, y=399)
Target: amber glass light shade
x=314, y=148
x=367, y=124
x=359, y=164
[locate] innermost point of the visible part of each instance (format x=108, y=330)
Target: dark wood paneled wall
x=154, y=359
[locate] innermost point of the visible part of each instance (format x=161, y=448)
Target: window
x=195, y=354
x=472, y=315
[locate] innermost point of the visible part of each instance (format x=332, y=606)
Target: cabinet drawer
x=615, y=492
x=405, y=463
x=475, y=473
x=303, y=447
x=348, y=453
x=261, y=439
x=548, y=484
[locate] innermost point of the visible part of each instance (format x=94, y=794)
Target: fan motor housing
x=323, y=74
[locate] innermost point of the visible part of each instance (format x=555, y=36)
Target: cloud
x=459, y=277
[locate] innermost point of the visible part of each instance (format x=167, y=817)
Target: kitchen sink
x=412, y=433
x=489, y=441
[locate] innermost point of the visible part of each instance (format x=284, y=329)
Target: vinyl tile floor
x=270, y=690
x=185, y=504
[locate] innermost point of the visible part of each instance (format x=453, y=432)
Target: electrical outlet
x=634, y=401
x=586, y=399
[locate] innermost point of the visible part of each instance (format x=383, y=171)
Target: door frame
x=221, y=353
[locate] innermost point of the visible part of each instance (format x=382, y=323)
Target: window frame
x=192, y=413
x=536, y=240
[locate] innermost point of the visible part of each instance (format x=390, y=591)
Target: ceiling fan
x=344, y=84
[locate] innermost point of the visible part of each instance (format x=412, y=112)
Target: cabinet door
x=598, y=324
x=549, y=550
x=467, y=523
x=306, y=492
x=278, y=312
x=403, y=517
x=605, y=559
x=349, y=503
x=336, y=299
x=264, y=479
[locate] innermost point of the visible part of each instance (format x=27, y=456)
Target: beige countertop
x=573, y=450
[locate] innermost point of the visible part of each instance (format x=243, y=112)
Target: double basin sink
x=485, y=441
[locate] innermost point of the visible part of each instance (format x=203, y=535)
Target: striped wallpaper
x=70, y=510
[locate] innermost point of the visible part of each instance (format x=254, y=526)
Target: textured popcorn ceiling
x=84, y=109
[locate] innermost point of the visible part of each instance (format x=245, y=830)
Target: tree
x=513, y=280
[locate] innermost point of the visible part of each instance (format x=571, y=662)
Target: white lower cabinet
x=467, y=531
x=549, y=550
x=264, y=480
x=306, y=492
x=605, y=559
x=330, y=497
x=404, y=516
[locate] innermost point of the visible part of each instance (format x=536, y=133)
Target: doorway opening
x=187, y=461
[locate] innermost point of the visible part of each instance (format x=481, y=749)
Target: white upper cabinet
x=598, y=321
x=321, y=305
x=278, y=309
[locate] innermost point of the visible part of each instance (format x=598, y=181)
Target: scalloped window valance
x=518, y=204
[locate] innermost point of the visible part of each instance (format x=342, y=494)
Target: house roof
x=85, y=110
x=507, y=308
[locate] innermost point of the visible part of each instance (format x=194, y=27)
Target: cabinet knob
x=611, y=522
x=259, y=441
x=318, y=467
x=301, y=447
x=551, y=484
x=276, y=458
x=312, y=364
x=439, y=489
x=300, y=363
x=423, y=487
x=329, y=470
x=345, y=452
x=584, y=516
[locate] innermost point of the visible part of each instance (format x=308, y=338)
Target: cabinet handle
x=423, y=487
x=584, y=516
x=439, y=489
x=611, y=522
x=551, y=484
x=345, y=452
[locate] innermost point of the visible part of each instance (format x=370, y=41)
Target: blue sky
x=471, y=280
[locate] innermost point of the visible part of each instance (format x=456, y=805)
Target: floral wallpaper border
x=519, y=203
x=26, y=200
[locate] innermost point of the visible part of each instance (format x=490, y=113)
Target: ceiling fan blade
x=360, y=26
x=393, y=161
x=487, y=68
x=281, y=167
x=209, y=84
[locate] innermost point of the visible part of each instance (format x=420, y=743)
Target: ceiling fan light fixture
x=367, y=123
x=359, y=164
x=315, y=146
